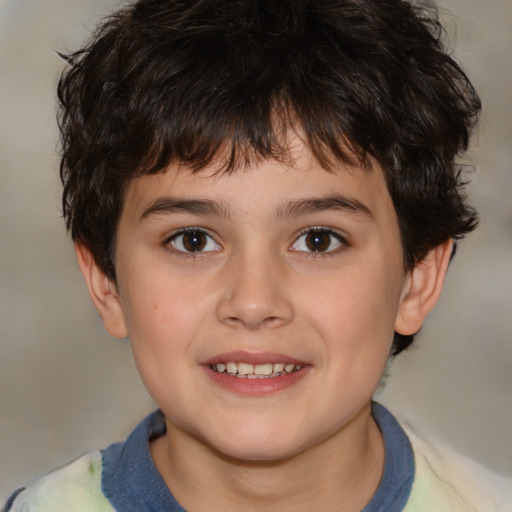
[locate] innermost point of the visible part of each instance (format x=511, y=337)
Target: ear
x=103, y=292
x=422, y=289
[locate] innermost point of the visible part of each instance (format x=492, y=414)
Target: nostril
x=253, y=301
x=254, y=323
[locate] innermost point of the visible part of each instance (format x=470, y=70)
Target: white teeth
x=258, y=371
x=231, y=368
x=245, y=369
x=262, y=369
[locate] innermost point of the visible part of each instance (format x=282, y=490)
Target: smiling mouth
x=255, y=371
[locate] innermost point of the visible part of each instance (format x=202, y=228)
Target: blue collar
x=396, y=483
x=132, y=483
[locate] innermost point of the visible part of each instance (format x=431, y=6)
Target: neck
x=340, y=473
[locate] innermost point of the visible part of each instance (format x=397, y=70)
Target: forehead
x=269, y=184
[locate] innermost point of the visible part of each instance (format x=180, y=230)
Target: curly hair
x=184, y=81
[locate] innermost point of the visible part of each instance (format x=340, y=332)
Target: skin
x=255, y=287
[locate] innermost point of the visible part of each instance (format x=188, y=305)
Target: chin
x=258, y=453
x=258, y=445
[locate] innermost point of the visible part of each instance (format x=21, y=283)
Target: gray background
x=66, y=387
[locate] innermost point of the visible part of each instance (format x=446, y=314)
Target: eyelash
x=190, y=253
x=341, y=240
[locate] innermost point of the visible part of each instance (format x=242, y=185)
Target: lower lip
x=255, y=387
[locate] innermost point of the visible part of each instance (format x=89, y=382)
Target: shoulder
x=75, y=487
x=446, y=481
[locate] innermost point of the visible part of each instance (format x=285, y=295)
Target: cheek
x=355, y=311
x=163, y=313
x=162, y=322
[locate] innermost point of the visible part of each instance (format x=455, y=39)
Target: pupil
x=194, y=241
x=318, y=241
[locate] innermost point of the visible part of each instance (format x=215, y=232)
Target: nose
x=254, y=294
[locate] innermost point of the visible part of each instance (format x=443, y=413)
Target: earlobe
x=422, y=289
x=103, y=292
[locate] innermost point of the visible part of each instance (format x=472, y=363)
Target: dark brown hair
x=168, y=81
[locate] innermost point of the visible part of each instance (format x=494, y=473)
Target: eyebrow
x=166, y=205
x=319, y=204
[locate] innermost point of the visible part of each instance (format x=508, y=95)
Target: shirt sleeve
x=73, y=488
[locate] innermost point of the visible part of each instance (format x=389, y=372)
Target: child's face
x=267, y=266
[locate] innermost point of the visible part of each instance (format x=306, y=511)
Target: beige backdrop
x=66, y=387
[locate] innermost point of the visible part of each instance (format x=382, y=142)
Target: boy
x=263, y=197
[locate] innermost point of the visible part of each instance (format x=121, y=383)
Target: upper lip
x=253, y=358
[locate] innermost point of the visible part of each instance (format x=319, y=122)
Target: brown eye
x=193, y=240
x=318, y=240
